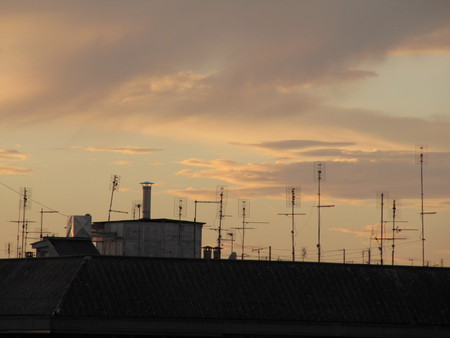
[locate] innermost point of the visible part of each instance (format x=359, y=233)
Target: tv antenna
x=319, y=175
x=382, y=195
x=422, y=158
x=244, y=212
x=115, y=181
x=42, y=218
x=221, y=198
x=258, y=250
x=180, y=207
x=396, y=228
x=195, y=219
x=26, y=204
x=231, y=234
x=180, y=210
x=291, y=201
x=136, y=209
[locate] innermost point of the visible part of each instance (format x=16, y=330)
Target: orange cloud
x=123, y=150
x=13, y=170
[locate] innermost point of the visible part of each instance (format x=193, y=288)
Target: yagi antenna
x=422, y=158
x=114, y=186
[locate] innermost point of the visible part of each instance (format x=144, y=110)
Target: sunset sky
x=194, y=95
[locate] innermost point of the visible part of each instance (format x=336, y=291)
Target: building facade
x=149, y=238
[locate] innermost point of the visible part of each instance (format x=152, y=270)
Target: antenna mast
x=195, y=220
x=421, y=151
x=319, y=171
x=114, y=187
x=243, y=205
x=293, y=205
x=244, y=212
x=219, y=236
x=26, y=204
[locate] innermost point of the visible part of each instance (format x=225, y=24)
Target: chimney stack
x=146, y=199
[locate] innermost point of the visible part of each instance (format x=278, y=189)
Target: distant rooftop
x=65, y=246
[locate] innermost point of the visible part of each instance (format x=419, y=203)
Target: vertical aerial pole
x=319, y=177
x=231, y=239
x=291, y=200
x=24, y=222
x=293, y=227
x=244, y=214
x=195, y=219
x=319, y=172
x=114, y=187
x=180, y=210
x=394, y=209
x=382, y=228
x=422, y=214
x=42, y=218
x=421, y=157
x=18, y=229
x=221, y=215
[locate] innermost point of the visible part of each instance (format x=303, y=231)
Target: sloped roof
x=70, y=246
x=162, y=289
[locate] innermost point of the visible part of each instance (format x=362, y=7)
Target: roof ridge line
x=59, y=307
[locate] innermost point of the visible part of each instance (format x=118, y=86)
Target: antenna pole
x=243, y=230
x=320, y=171
x=382, y=226
x=422, y=212
x=219, y=237
x=292, y=214
x=24, y=223
x=394, y=208
x=114, y=186
x=293, y=226
x=319, y=177
x=195, y=218
x=421, y=206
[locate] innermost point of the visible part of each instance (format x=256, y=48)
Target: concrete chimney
x=146, y=199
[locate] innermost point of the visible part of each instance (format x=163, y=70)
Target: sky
x=246, y=95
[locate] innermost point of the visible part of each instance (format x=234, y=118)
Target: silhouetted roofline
x=170, y=296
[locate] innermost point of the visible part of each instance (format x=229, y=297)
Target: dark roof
x=70, y=246
x=281, y=293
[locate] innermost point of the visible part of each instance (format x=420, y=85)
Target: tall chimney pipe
x=146, y=199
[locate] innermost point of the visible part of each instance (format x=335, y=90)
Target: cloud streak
x=358, y=179
x=122, y=150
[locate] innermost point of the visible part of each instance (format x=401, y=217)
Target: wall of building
x=151, y=239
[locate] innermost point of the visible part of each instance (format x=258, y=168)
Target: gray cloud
x=359, y=178
x=250, y=50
